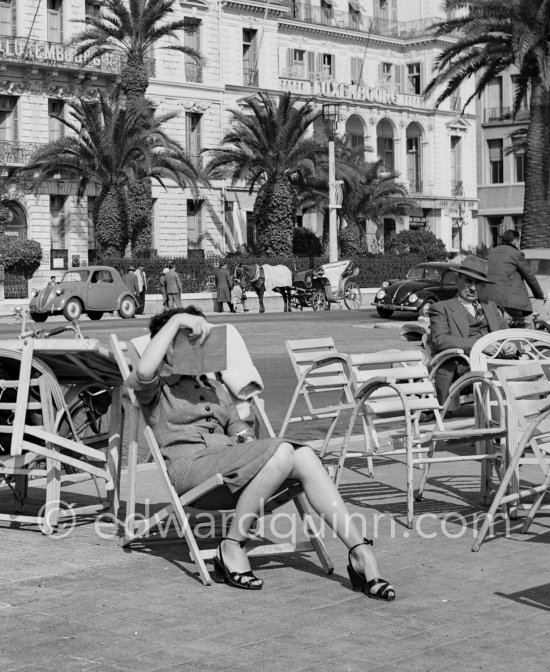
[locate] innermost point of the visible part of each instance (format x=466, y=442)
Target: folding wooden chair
x=527, y=394
x=291, y=490
x=322, y=373
x=32, y=409
x=391, y=399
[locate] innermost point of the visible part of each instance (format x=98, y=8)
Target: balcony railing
x=193, y=72
x=301, y=73
x=353, y=21
x=52, y=54
x=497, y=115
x=14, y=153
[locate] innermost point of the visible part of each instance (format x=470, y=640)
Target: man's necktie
x=478, y=310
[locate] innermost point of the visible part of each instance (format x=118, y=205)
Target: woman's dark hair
x=158, y=321
x=509, y=236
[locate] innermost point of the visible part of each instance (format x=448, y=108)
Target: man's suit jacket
x=130, y=280
x=450, y=327
x=173, y=282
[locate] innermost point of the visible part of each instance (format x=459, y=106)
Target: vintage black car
x=425, y=284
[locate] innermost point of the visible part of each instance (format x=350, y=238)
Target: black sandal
x=245, y=580
x=377, y=589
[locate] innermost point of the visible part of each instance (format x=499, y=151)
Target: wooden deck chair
x=30, y=419
x=291, y=491
x=527, y=393
x=391, y=399
x=531, y=344
x=322, y=373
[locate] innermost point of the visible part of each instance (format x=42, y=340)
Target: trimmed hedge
x=197, y=274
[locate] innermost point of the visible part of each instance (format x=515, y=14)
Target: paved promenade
x=76, y=601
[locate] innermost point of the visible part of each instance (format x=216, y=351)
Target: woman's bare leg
x=327, y=502
x=260, y=488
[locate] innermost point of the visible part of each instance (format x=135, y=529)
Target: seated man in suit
x=459, y=322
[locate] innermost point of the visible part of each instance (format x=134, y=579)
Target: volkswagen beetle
x=93, y=290
x=424, y=284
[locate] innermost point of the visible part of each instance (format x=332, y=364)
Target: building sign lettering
x=330, y=88
x=49, y=52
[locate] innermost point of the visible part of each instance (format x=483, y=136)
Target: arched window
x=355, y=133
x=17, y=226
x=414, y=157
x=385, y=144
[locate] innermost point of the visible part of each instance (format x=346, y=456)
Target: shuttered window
x=356, y=70
x=193, y=144
x=194, y=222
x=55, y=21
x=58, y=220
x=192, y=40
x=55, y=112
x=496, y=161
x=6, y=20
x=8, y=118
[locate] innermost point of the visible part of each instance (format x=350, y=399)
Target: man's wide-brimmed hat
x=474, y=267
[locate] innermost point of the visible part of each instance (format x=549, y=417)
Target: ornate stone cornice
x=273, y=9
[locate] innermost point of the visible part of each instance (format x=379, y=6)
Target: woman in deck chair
x=200, y=434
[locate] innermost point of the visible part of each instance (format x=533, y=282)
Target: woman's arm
x=160, y=343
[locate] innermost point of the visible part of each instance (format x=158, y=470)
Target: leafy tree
x=422, y=243
x=493, y=36
x=267, y=147
x=113, y=146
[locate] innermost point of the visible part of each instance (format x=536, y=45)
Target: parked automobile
x=93, y=290
x=424, y=284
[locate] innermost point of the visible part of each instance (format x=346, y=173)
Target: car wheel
x=352, y=296
x=38, y=317
x=127, y=308
x=72, y=310
x=318, y=301
x=384, y=312
x=424, y=309
x=95, y=314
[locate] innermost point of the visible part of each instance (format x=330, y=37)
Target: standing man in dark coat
x=142, y=288
x=174, y=287
x=463, y=320
x=223, y=287
x=130, y=280
x=508, y=269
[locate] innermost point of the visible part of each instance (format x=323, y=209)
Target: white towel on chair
x=241, y=377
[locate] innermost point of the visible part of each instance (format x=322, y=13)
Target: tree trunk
x=536, y=208
x=134, y=78
x=275, y=217
x=112, y=224
x=140, y=206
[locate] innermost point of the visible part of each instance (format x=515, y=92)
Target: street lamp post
x=330, y=117
x=461, y=208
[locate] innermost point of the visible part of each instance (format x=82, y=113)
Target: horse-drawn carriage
x=331, y=283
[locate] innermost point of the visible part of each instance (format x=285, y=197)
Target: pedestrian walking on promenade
x=174, y=287
x=223, y=287
x=508, y=269
x=162, y=281
x=142, y=288
x=238, y=296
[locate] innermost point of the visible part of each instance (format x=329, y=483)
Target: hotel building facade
x=372, y=57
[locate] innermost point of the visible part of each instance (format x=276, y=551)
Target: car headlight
x=380, y=294
x=59, y=292
x=34, y=292
x=385, y=283
x=413, y=298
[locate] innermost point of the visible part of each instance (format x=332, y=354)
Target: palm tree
x=369, y=194
x=130, y=29
x=268, y=147
x=492, y=36
x=111, y=146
